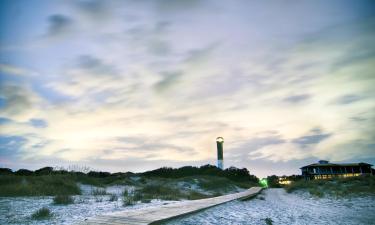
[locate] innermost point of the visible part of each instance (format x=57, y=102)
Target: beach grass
x=47, y=185
x=63, y=200
x=41, y=214
x=336, y=187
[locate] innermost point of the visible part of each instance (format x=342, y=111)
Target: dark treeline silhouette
x=232, y=173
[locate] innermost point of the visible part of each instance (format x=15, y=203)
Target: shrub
x=40, y=214
x=113, y=198
x=44, y=171
x=232, y=173
x=5, y=171
x=98, y=191
x=127, y=201
x=193, y=195
x=338, y=187
x=63, y=200
x=268, y=221
x=44, y=185
x=159, y=192
x=23, y=172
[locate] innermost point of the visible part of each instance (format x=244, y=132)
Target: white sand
x=284, y=208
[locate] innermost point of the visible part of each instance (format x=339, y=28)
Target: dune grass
x=41, y=214
x=98, y=191
x=63, y=200
x=337, y=187
x=48, y=185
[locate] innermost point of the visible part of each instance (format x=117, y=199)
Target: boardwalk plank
x=156, y=214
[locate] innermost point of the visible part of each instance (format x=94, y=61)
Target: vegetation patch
x=43, y=185
x=63, y=200
x=268, y=221
x=41, y=214
x=113, y=198
x=98, y=191
x=337, y=187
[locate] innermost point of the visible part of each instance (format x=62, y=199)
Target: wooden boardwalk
x=157, y=214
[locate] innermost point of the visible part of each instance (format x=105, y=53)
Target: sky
x=136, y=85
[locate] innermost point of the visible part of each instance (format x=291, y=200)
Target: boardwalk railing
x=157, y=214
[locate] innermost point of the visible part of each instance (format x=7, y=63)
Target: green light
x=263, y=182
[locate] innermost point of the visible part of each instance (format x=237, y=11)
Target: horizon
x=139, y=85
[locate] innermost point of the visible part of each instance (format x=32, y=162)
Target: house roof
x=336, y=164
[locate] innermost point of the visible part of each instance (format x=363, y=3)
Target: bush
x=5, y=171
x=337, y=187
x=23, y=172
x=194, y=195
x=63, y=200
x=268, y=221
x=232, y=173
x=98, y=191
x=159, y=192
x=44, y=171
x=113, y=198
x=44, y=185
x=127, y=201
x=43, y=213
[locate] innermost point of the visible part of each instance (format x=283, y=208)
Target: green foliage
x=43, y=185
x=5, y=171
x=41, y=214
x=194, y=195
x=127, y=201
x=268, y=221
x=216, y=184
x=63, y=200
x=113, y=198
x=232, y=173
x=98, y=191
x=338, y=187
x=158, y=192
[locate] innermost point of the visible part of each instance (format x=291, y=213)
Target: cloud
x=95, y=66
x=348, y=99
x=281, y=152
x=308, y=140
x=156, y=90
x=15, y=70
x=10, y=145
x=18, y=101
x=297, y=98
x=39, y=123
x=95, y=9
x=59, y=25
x=169, y=79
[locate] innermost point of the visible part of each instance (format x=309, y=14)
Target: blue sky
x=136, y=85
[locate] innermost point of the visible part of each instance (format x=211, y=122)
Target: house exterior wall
x=326, y=172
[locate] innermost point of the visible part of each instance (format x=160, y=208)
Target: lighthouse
x=220, y=160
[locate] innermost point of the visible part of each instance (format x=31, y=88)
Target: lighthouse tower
x=220, y=160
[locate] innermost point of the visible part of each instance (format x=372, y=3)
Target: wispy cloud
x=154, y=83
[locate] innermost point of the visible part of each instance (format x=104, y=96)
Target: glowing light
x=263, y=182
x=284, y=181
x=220, y=139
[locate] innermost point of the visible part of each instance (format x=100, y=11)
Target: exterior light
x=220, y=160
x=219, y=139
x=263, y=182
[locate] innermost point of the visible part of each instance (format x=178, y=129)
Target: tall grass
x=338, y=187
x=47, y=185
x=63, y=200
x=41, y=214
x=98, y=191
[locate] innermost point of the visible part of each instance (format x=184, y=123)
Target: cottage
x=325, y=170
